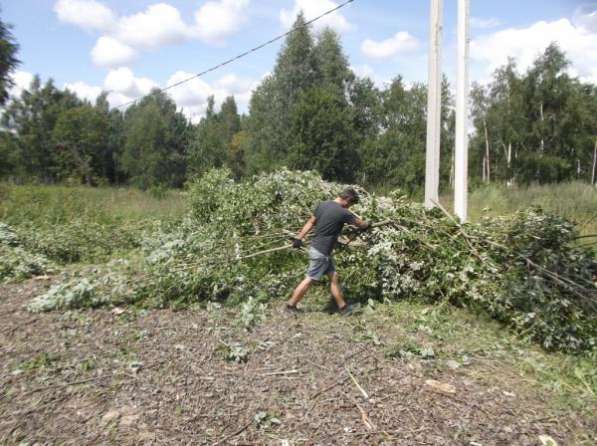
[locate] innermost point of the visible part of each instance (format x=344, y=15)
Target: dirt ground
x=198, y=377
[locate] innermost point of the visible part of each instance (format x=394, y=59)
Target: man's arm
x=361, y=224
x=308, y=226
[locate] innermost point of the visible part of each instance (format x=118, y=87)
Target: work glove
x=297, y=243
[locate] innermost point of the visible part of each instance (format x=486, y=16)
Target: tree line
x=311, y=112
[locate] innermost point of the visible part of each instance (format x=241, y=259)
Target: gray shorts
x=319, y=264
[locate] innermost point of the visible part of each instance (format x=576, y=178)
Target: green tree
x=396, y=157
x=367, y=112
x=236, y=154
x=324, y=136
x=155, y=142
x=115, y=141
x=263, y=149
x=501, y=123
x=81, y=140
x=8, y=60
x=330, y=63
x=31, y=119
x=272, y=103
x=230, y=119
x=208, y=145
x=535, y=127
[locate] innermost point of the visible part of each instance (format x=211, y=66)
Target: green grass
x=51, y=205
x=83, y=224
x=492, y=352
x=575, y=201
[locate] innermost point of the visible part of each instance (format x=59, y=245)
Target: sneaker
x=347, y=310
x=292, y=309
x=330, y=307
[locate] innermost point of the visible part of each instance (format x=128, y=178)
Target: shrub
x=16, y=263
x=522, y=270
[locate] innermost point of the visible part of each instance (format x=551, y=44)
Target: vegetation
x=8, y=60
x=538, y=127
x=436, y=295
x=43, y=226
x=524, y=270
x=575, y=201
x=311, y=113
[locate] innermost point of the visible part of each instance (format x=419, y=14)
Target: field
x=575, y=201
x=403, y=372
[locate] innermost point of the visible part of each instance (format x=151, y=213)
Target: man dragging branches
x=328, y=220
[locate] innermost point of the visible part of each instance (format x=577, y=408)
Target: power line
x=241, y=55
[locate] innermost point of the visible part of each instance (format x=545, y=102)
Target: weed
x=42, y=361
x=234, y=352
x=251, y=313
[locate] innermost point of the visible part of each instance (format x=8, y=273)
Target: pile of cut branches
x=523, y=270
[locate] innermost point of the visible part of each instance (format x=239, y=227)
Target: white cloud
x=84, y=91
x=22, y=81
x=122, y=80
x=401, y=42
x=192, y=96
x=88, y=14
x=312, y=9
x=579, y=44
x=218, y=19
x=110, y=52
x=123, y=86
x=160, y=24
x=478, y=22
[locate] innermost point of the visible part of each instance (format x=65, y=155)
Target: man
x=328, y=220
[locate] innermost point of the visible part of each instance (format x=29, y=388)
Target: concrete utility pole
x=434, y=106
x=462, y=91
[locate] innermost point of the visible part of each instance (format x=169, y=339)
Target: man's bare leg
x=300, y=291
x=336, y=290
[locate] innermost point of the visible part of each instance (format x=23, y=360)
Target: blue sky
x=128, y=46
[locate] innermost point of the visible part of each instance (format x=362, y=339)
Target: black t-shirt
x=330, y=218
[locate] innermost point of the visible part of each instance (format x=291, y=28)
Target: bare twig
x=364, y=417
x=57, y=386
x=285, y=372
x=358, y=386
x=234, y=434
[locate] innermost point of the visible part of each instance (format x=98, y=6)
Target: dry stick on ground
x=358, y=386
x=234, y=434
x=286, y=372
x=324, y=390
x=364, y=417
x=74, y=383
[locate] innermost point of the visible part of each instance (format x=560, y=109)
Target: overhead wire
x=241, y=55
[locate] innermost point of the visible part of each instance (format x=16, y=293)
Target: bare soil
x=132, y=376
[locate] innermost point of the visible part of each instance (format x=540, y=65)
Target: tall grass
x=52, y=205
x=575, y=201
x=82, y=224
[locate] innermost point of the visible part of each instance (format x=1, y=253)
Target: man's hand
x=362, y=225
x=297, y=243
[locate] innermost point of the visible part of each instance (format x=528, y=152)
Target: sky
x=127, y=47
